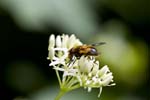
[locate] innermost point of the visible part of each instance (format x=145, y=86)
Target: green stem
x=60, y=94
x=74, y=87
x=59, y=80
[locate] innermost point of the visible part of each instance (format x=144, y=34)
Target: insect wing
x=98, y=44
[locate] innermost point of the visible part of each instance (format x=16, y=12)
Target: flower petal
x=51, y=53
x=58, y=41
x=51, y=41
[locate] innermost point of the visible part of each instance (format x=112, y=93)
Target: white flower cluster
x=59, y=46
x=83, y=72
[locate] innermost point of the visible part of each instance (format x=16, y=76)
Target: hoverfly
x=84, y=50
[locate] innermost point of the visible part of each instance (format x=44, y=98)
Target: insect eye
x=93, y=51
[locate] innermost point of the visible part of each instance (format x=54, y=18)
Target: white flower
x=85, y=65
x=91, y=76
x=58, y=48
x=84, y=72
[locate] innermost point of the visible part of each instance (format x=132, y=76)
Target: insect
x=86, y=50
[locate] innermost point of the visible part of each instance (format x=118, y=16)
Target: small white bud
x=58, y=41
x=103, y=70
x=51, y=41
x=107, y=81
x=51, y=53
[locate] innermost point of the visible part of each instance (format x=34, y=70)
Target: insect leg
x=72, y=61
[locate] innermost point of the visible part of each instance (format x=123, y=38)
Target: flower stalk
x=60, y=94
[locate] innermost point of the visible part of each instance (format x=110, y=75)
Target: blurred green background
x=25, y=27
